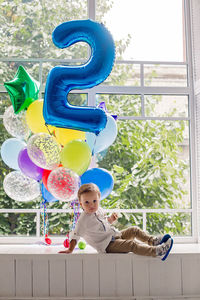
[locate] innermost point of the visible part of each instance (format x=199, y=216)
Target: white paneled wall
x=96, y=276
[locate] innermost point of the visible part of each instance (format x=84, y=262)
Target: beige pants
x=127, y=243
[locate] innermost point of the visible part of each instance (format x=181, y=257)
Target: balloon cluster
x=54, y=161
x=32, y=150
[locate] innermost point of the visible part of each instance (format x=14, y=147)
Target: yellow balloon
x=35, y=119
x=64, y=135
x=76, y=155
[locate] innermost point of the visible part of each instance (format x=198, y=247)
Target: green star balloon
x=23, y=89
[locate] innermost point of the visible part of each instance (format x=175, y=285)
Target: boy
x=97, y=231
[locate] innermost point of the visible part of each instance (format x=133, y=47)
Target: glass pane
x=166, y=106
x=178, y=224
x=124, y=74
x=9, y=69
x=25, y=31
x=165, y=75
x=126, y=220
x=47, y=66
x=121, y=105
x=20, y=224
x=144, y=29
x=78, y=99
x=4, y=102
x=150, y=164
x=58, y=223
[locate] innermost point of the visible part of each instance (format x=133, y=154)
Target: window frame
x=139, y=90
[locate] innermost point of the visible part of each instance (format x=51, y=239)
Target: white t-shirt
x=95, y=229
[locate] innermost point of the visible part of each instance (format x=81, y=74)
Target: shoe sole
x=167, y=253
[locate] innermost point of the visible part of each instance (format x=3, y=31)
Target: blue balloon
x=10, y=150
x=102, y=178
x=47, y=196
x=57, y=111
x=105, y=138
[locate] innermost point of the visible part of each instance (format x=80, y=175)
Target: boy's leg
x=135, y=232
x=125, y=246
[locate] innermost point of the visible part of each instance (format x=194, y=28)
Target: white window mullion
x=142, y=106
x=144, y=218
x=192, y=125
x=40, y=78
x=91, y=9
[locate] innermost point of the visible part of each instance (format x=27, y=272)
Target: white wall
x=99, y=276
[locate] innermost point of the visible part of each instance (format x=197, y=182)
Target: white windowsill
x=41, y=248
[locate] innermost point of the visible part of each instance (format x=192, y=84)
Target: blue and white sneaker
x=164, y=249
x=158, y=240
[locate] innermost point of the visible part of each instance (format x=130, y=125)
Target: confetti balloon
x=44, y=151
x=20, y=187
x=16, y=125
x=63, y=184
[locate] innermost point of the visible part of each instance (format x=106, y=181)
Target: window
x=149, y=88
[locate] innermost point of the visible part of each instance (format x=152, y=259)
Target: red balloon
x=45, y=176
x=66, y=243
x=47, y=240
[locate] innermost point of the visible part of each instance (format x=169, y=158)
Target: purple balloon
x=28, y=167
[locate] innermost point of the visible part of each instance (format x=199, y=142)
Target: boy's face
x=90, y=202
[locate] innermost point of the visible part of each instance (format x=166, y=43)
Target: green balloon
x=82, y=245
x=76, y=155
x=26, y=104
x=22, y=89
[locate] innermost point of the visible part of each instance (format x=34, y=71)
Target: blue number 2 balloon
x=61, y=80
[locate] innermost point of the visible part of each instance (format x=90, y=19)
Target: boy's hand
x=72, y=245
x=66, y=251
x=112, y=218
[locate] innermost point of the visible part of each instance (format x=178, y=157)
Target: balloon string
x=94, y=145
x=43, y=207
x=48, y=128
x=44, y=224
x=45, y=220
x=76, y=210
x=45, y=217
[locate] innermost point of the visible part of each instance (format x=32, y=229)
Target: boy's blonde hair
x=86, y=188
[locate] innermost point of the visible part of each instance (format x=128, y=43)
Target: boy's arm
x=72, y=245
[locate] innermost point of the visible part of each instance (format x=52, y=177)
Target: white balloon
x=105, y=138
x=20, y=187
x=16, y=124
